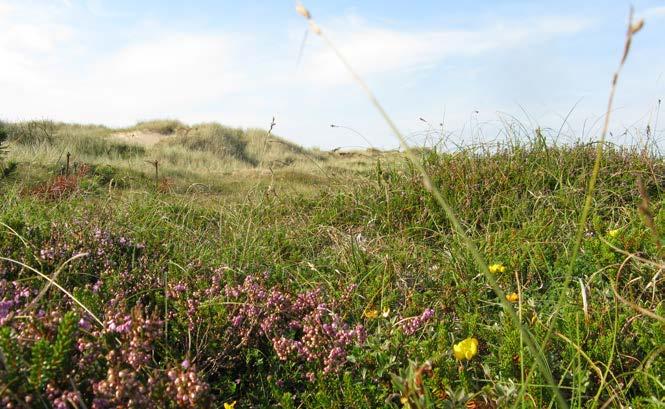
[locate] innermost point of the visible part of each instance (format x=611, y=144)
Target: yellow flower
x=497, y=268
x=231, y=405
x=613, y=233
x=386, y=312
x=466, y=349
x=512, y=297
x=371, y=314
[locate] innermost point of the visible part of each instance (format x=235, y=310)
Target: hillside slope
x=218, y=156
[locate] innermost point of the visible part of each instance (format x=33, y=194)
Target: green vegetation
x=161, y=126
x=5, y=169
x=266, y=274
x=4, y=135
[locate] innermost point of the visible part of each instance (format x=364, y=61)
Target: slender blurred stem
x=532, y=344
x=348, y=128
x=632, y=29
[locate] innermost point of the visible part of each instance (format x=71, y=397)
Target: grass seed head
x=300, y=9
x=314, y=27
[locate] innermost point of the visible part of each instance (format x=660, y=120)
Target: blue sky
x=118, y=62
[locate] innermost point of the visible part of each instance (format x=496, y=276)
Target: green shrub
x=8, y=168
x=3, y=139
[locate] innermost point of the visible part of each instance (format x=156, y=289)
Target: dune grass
x=209, y=154
x=160, y=126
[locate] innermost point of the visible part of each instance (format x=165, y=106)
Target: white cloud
x=34, y=37
x=654, y=12
x=167, y=73
x=374, y=50
x=5, y=9
x=156, y=78
x=27, y=50
x=50, y=72
x=39, y=35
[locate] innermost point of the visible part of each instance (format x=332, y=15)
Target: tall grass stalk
x=532, y=344
x=58, y=286
x=632, y=29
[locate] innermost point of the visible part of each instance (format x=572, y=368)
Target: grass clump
x=32, y=132
x=221, y=141
x=160, y=126
x=8, y=168
x=90, y=146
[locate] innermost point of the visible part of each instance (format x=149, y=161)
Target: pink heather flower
x=97, y=286
x=237, y=320
x=427, y=315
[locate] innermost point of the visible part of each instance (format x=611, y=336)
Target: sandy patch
x=140, y=137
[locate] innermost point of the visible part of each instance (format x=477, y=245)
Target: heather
x=350, y=290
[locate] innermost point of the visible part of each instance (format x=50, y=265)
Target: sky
x=476, y=67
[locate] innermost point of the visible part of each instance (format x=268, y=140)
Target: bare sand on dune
x=140, y=137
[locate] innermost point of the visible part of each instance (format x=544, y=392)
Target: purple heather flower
x=411, y=325
x=84, y=324
x=5, y=309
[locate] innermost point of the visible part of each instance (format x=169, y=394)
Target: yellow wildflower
x=466, y=349
x=371, y=314
x=497, y=268
x=613, y=233
x=231, y=405
x=512, y=297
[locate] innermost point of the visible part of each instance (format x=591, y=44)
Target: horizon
x=468, y=66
